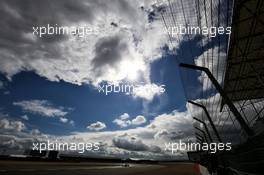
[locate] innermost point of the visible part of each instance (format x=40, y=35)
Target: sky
x=49, y=85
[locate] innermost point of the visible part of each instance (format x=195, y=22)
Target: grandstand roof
x=244, y=77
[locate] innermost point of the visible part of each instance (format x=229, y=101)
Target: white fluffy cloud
x=148, y=91
x=63, y=119
x=35, y=132
x=97, y=126
x=71, y=122
x=140, y=142
x=15, y=137
x=139, y=120
x=41, y=107
x=124, y=121
x=66, y=120
x=25, y=117
x=7, y=124
x=130, y=143
x=144, y=142
x=124, y=47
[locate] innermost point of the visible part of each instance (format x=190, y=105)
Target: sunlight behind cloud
x=131, y=69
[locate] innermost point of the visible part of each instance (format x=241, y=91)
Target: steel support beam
x=204, y=134
x=230, y=104
x=199, y=137
x=209, y=119
x=206, y=128
x=200, y=140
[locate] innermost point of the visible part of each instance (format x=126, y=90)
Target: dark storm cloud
x=20, y=16
x=17, y=43
x=15, y=126
x=9, y=142
x=16, y=143
x=114, y=24
x=129, y=143
x=172, y=135
x=133, y=143
x=108, y=51
x=14, y=135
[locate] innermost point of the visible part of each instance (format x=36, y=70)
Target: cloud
x=140, y=142
x=169, y=135
x=124, y=121
x=7, y=124
x=148, y=91
x=35, y=132
x=161, y=133
x=15, y=137
x=97, y=126
x=71, y=122
x=66, y=120
x=138, y=120
x=108, y=55
x=41, y=107
x=130, y=143
x=6, y=92
x=25, y=117
x=63, y=119
x=16, y=141
x=1, y=85
x=216, y=67
x=123, y=143
x=124, y=116
x=225, y=122
x=108, y=51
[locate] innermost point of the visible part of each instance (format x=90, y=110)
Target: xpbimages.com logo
x=174, y=147
x=80, y=31
x=196, y=30
x=80, y=147
x=129, y=89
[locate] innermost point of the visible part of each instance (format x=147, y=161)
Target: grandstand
x=223, y=78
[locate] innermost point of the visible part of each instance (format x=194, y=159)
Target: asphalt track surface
x=55, y=168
